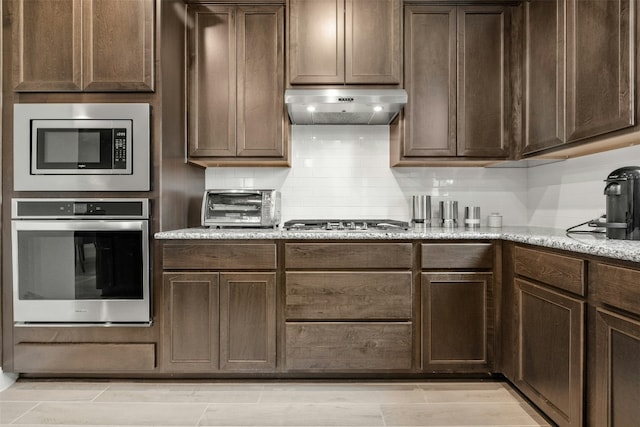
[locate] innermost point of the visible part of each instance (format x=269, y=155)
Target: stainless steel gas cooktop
x=345, y=225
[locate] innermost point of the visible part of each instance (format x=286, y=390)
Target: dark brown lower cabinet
x=550, y=353
x=457, y=325
x=219, y=321
x=352, y=346
x=617, y=370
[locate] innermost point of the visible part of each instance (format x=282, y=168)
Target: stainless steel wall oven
x=81, y=261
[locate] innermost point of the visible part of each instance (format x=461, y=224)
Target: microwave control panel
x=119, y=148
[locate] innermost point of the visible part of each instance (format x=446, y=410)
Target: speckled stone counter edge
x=591, y=243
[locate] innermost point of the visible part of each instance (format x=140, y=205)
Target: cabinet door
x=600, y=65
x=373, y=43
x=483, y=89
x=118, y=45
x=248, y=321
x=545, y=74
x=457, y=322
x=316, y=41
x=430, y=81
x=212, y=81
x=47, y=52
x=617, y=374
x=260, y=81
x=191, y=325
x=551, y=352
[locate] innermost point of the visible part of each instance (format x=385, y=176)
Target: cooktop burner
x=345, y=225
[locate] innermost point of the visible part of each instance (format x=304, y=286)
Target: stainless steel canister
x=421, y=209
x=449, y=213
x=472, y=216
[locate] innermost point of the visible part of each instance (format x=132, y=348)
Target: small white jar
x=495, y=220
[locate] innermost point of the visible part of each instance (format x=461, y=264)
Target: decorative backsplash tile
x=343, y=172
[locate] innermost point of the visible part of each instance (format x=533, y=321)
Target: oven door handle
x=83, y=225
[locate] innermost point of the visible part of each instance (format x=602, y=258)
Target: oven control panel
x=80, y=208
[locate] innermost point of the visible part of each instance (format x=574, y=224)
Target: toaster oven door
x=232, y=208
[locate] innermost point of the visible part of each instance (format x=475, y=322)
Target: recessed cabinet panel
x=551, y=351
x=212, y=81
x=545, y=74
x=482, y=82
x=348, y=295
x=430, y=80
x=118, y=45
x=373, y=41
x=316, y=35
x=617, y=376
x=560, y=271
x=600, y=67
x=191, y=321
x=349, y=346
x=457, y=338
x=247, y=321
x=48, y=46
x=260, y=84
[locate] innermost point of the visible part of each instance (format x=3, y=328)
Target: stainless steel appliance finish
x=421, y=209
x=345, y=225
x=449, y=213
x=344, y=106
x=622, y=191
x=81, y=261
x=241, y=208
x=82, y=147
x=472, y=216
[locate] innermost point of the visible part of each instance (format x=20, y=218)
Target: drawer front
x=348, y=295
x=348, y=255
x=219, y=256
x=616, y=286
x=84, y=357
x=348, y=346
x=457, y=256
x=560, y=271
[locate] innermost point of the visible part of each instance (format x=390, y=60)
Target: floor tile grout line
x=26, y=412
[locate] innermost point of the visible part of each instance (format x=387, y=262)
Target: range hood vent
x=344, y=106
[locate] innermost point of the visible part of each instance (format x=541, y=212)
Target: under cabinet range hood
x=344, y=106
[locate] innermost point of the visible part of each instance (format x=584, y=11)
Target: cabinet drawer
x=348, y=295
x=348, y=255
x=84, y=357
x=348, y=346
x=616, y=286
x=560, y=271
x=219, y=256
x=457, y=256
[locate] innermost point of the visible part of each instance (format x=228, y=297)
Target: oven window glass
x=80, y=265
x=75, y=148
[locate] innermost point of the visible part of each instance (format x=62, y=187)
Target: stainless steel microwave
x=241, y=208
x=81, y=147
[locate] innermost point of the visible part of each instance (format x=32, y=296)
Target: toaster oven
x=241, y=208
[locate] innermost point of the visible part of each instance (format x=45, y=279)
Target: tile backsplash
x=343, y=172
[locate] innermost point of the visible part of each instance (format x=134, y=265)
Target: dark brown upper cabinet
x=579, y=71
x=456, y=74
x=600, y=64
x=545, y=74
x=236, y=85
x=83, y=45
x=345, y=42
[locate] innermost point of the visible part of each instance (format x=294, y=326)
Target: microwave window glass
x=63, y=146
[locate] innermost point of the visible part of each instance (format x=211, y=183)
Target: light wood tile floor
x=338, y=404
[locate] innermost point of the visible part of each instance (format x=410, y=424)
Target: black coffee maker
x=623, y=203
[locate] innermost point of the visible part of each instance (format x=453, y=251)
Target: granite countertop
x=586, y=243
